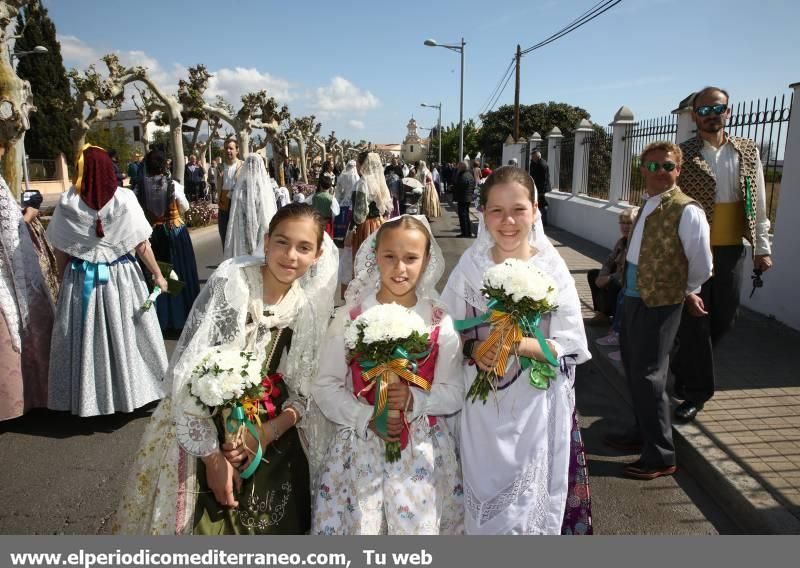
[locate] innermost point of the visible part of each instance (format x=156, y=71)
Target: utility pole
x=516, y=98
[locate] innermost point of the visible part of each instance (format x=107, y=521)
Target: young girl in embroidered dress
x=522, y=455
x=360, y=491
x=185, y=479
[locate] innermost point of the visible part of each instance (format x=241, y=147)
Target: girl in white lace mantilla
x=523, y=462
x=184, y=481
x=359, y=492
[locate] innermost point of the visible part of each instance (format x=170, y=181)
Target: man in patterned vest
x=724, y=174
x=668, y=258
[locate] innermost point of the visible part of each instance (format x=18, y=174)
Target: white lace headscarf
x=367, y=279
x=346, y=184
x=219, y=317
x=423, y=171
x=252, y=207
x=465, y=283
x=375, y=182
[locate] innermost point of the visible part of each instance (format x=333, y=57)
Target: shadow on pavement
x=53, y=424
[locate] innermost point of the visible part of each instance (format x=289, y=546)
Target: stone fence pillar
x=621, y=155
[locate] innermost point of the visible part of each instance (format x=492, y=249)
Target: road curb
x=743, y=498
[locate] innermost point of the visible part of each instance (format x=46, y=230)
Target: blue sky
x=362, y=67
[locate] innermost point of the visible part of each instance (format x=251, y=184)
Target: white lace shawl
x=72, y=228
x=346, y=184
x=252, y=207
x=465, y=282
x=374, y=185
x=20, y=273
x=367, y=278
x=219, y=317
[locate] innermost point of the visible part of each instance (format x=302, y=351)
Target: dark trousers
x=693, y=365
x=604, y=300
x=646, y=339
x=464, y=222
x=541, y=199
x=222, y=225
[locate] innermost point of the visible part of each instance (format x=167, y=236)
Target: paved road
x=62, y=475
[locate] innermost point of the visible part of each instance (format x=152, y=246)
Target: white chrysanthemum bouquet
x=518, y=294
x=231, y=382
x=386, y=339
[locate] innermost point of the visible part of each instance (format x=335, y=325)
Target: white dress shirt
x=724, y=162
x=695, y=237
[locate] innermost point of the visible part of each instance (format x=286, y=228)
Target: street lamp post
x=438, y=127
x=37, y=50
x=459, y=48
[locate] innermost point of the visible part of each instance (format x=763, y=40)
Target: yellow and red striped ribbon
x=506, y=332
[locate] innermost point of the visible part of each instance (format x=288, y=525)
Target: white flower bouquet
x=518, y=295
x=231, y=382
x=386, y=340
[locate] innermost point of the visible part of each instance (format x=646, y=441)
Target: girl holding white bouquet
x=516, y=303
x=390, y=369
x=237, y=446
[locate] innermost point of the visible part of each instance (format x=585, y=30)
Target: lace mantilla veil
x=219, y=319
x=252, y=207
x=367, y=279
x=376, y=189
x=465, y=282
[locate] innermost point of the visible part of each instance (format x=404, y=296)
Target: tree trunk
x=12, y=128
x=175, y=124
x=303, y=168
x=243, y=137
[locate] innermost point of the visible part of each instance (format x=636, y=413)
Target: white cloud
x=233, y=83
x=343, y=96
x=76, y=53
x=357, y=124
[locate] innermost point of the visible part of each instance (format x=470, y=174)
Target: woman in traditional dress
x=345, y=184
x=184, y=480
x=27, y=281
x=522, y=455
x=371, y=198
x=430, y=198
x=109, y=354
x=252, y=207
x=163, y=200
x=359, y=491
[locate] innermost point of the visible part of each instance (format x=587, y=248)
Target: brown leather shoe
x=637, y=470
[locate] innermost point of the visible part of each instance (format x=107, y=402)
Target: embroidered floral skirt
x=361, y=493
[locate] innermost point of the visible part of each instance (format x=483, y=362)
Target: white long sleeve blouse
x=333, y=387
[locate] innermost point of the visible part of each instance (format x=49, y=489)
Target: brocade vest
x=697, y=179
x=663, y=269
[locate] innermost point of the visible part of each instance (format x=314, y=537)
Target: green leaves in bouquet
x=383, y=351
x=525, y=307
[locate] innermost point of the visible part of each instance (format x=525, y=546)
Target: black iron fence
x=566, y=158
x=597, y=157
x=642, y=134
x=766, y=121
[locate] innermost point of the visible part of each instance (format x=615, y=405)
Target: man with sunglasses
x=667, y=260
x=724, y=174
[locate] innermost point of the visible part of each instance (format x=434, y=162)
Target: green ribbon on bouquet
x=232, y=424
x=540, y=372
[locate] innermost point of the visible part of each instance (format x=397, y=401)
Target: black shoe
x=687, y=411
x=624, y=443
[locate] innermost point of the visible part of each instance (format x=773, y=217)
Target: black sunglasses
x=708, y=109
x=655, y=166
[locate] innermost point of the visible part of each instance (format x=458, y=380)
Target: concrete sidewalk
x=744, y=447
